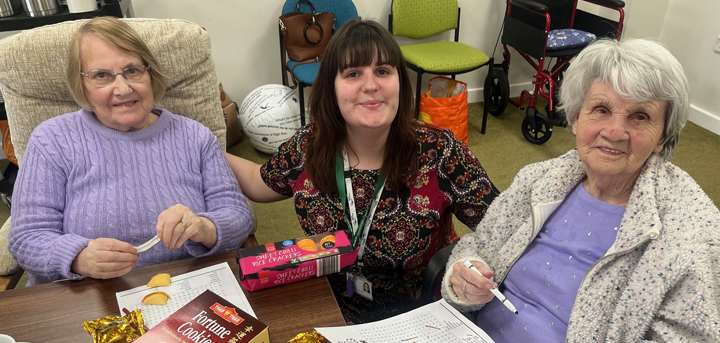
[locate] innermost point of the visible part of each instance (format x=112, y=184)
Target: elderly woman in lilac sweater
x=96, y=183
x=609, y=242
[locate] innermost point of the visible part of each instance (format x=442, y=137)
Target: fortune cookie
x=162, y=279
x=156, y=298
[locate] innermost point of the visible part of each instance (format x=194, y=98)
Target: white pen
x=494, y=290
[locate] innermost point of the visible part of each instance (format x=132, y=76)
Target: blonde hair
x=119, y=34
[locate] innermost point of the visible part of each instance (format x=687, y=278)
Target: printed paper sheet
x=184, y=288
x=436, y=322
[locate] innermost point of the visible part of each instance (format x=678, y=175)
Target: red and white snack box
x=290, y=260
x=208, y=319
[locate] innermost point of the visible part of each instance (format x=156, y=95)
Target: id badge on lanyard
x=358, y=230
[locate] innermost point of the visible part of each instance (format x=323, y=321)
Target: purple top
x=80, y=180
x=544, y=281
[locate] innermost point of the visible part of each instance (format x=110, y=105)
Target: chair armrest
x=252, y=214
x=531, y=6
x=10, y=281
x=608, y=3
x=434, y=273
x=251, y=241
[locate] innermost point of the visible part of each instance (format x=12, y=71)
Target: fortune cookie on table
x=156, y=298
x=162, y=279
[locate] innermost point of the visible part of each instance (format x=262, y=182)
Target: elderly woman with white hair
x=609, y=242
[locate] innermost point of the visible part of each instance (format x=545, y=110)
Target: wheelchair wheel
x=542, y=131
x=496, y=92
x=555, y=117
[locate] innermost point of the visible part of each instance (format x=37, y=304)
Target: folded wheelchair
x=539, y=30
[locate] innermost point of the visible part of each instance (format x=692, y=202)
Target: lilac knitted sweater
x=80, y=180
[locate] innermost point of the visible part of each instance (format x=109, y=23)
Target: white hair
x=639, y=70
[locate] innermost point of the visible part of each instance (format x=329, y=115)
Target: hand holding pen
x=494, y=290
x=473, y=291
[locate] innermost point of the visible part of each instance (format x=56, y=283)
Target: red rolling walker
x=538, y=30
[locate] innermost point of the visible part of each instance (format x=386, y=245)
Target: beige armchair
x=10, y=271
x=32, y=81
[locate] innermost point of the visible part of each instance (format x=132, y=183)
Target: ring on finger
x=465, y=284
x=184, y=225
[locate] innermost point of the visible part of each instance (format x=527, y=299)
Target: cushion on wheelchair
x=568, y=38
x=444, y=57
x=305, y=73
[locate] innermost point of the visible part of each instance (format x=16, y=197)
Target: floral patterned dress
x=409, y=225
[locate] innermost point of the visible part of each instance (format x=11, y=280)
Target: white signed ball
x=270, y=115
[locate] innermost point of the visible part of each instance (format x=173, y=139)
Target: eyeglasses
x=103, y=78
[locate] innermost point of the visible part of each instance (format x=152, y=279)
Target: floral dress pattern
x=409, y=225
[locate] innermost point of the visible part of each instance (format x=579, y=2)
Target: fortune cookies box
x=208, y=319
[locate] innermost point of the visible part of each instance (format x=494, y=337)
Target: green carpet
x=502, y=152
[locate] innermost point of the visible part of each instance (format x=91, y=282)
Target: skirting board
x=476, y=94
x=705, y=119
x=698, y=116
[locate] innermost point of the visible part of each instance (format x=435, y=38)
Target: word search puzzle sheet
x=436, y=322
x=184, y=288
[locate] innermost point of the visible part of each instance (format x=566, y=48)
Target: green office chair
x=418, y=19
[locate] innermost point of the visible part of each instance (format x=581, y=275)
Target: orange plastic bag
x=6, y=142
x=445, y=105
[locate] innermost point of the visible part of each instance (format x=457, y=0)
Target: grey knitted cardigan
x=660, y=280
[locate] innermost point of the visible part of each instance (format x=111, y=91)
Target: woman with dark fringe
x=363, y=165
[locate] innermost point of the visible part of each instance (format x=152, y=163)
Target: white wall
x=246, y=48
x=649, y=19
x=690, y=31
x=247, y=53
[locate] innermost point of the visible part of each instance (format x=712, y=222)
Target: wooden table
x=55, y=312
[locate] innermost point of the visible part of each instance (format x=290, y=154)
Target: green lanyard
x=360, y=230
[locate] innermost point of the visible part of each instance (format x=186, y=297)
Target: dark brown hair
x=358, y=43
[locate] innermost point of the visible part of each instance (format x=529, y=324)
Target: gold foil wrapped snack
x=116, y=329
x=308, y=337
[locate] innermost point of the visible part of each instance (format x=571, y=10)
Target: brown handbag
x=304, y=36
